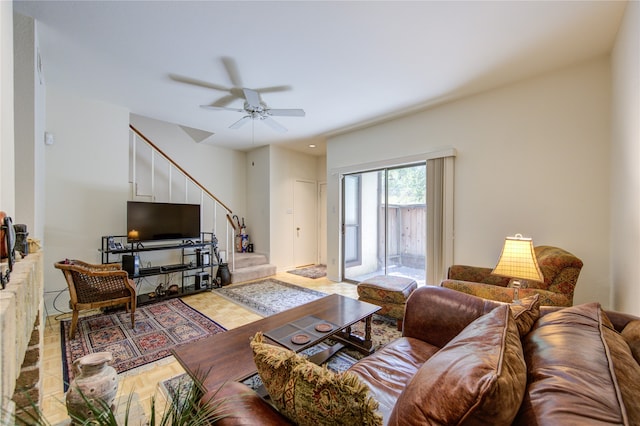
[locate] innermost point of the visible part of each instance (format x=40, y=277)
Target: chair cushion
x=388, y=370
x=479, y=377
x=311, y=395
x=476, y=274
x=387, y=288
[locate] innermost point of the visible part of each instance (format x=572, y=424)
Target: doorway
x=305, y=223
x=384, y=223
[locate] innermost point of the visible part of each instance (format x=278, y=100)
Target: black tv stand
x=174, y=268
x=196, y=271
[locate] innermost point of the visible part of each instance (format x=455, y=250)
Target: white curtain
x=439, y=218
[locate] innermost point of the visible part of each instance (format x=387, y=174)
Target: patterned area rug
x=160, y=327
x=268, y=297
x=313, y=272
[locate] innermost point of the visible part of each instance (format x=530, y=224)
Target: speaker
x=203, y=258
x=131, y=264
x=202, y=280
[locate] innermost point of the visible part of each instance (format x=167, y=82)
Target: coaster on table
x=324, y=327
x=300, y=339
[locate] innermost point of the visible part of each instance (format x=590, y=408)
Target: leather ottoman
x=389, y=292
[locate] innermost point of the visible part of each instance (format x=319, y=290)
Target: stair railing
x=174, y=172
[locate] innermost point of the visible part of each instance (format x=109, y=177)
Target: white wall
x=86, y=182
x=29, y=128
x=533, y=158
x=625, y=180
x=7, y=153
x=258, y=192
x=222, y=171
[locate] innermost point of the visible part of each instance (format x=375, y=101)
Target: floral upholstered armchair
x=559, y=268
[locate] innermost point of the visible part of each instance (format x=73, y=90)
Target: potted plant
x=183, y=407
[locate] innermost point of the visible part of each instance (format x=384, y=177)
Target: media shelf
x=196, y=267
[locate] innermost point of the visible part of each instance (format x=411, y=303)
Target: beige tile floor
x=145, y=383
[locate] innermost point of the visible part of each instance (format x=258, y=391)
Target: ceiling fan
x=253, y=106
x=256, y=109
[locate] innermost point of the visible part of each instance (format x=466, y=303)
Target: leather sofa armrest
x=242, y=406
x=436, y=314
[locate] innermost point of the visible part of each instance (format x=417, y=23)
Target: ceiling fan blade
x=286, y=112
x=273, y=89
x=225, y=100
x=240, y=122
x=252, y=97
x=219, y=108
x=274, y=124
x=232, y=69
x=196, y=82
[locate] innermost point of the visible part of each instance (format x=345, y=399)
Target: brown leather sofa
x=457, y=363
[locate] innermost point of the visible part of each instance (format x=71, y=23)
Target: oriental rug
x=159, y=328
x=269, y=296
x=313, y=272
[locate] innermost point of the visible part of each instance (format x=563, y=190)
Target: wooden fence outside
x=407, y=233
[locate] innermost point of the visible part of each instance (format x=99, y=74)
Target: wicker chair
x=97, y=286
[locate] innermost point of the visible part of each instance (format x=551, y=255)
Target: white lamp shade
x=518, y=260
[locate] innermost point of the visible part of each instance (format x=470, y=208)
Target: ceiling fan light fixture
x=255, y=108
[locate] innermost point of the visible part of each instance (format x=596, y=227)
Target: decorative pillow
x=568, y=356
x=526, y=312
x=631, y=334
x=479, y=377
x=311, y=395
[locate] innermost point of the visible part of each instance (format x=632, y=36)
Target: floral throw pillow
x=308, y=394
x=526, y=312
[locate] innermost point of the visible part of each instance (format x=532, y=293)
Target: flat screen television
x=162, y=221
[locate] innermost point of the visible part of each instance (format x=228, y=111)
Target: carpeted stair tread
x=252, y=273
x=245, y=260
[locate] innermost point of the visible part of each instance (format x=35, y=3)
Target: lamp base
x=516, y=284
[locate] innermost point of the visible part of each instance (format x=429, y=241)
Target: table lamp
x=518, y=261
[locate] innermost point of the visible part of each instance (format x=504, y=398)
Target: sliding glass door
x=384, y=223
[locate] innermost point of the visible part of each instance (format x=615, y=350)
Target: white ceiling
x=348, y=63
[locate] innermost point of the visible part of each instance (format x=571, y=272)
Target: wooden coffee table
x=227, y=356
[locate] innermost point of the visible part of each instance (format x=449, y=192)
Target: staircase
x=150, y=181
x=250, y=266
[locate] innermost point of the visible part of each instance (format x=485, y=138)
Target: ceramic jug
x=95, y=380
x=224, y=274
